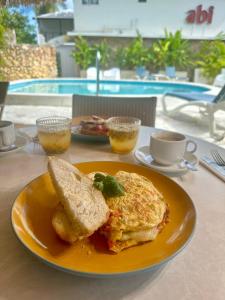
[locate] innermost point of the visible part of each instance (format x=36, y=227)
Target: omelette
x=137, y=216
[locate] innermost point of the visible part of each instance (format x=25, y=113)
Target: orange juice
x=123, y=140
x=123, y=133
x=55, y=141
x=54, y=133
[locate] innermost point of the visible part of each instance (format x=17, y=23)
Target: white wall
x=68, y=66
x=150, y=18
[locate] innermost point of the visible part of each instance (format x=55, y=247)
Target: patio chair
x=209, y=103
x=112, y=74
x=92, y=73
x=3, y=92
x=143, y=108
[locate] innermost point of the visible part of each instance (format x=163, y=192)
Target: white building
x=197, y=19
x=55, y=24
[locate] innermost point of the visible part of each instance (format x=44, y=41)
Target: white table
x=198, y=272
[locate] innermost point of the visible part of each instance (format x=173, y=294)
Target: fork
x=218, y=158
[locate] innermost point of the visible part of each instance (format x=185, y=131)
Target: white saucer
x=21, y=141
x=142, y=155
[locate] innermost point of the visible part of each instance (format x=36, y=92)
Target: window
x=88, y=2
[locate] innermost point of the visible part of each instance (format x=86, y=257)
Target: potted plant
x=210, y=59
x=83, y=54
x=105, y=52
x=120, y=62
x=137, y=56
x=171, y=52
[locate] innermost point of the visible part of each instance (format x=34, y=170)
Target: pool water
x=88, y=87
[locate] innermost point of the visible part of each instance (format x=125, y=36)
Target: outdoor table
x=198, y=272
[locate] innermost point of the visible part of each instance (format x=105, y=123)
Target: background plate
x=88, y=138
x=32, y=214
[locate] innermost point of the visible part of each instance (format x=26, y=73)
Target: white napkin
x=211, y=165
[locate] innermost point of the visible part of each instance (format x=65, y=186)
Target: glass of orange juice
x=54, y=134
x=123, y=133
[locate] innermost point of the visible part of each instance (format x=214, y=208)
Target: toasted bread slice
x=84, y=206
x=63, y=226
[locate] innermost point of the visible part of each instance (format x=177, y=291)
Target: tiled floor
x=189, y=121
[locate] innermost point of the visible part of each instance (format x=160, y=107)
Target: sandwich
x=93, y=126
x=126, y=208
x=137, y=216
x=82, y=208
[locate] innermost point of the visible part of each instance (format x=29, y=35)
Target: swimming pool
x=82, y=86
x=58, y=92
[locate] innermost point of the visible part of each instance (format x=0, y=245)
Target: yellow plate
x=31, y=220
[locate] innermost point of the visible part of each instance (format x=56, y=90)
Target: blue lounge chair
x=209, y=103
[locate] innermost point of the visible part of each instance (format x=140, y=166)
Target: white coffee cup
x=7, y=134
x=167, y=147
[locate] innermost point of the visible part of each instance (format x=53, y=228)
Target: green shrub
x=85, y=54
x=211, y=58
x=172, y=51
x=120, y=58
x=136, y=54
x=105, y=51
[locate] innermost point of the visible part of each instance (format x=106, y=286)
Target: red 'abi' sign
x=199, y=15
